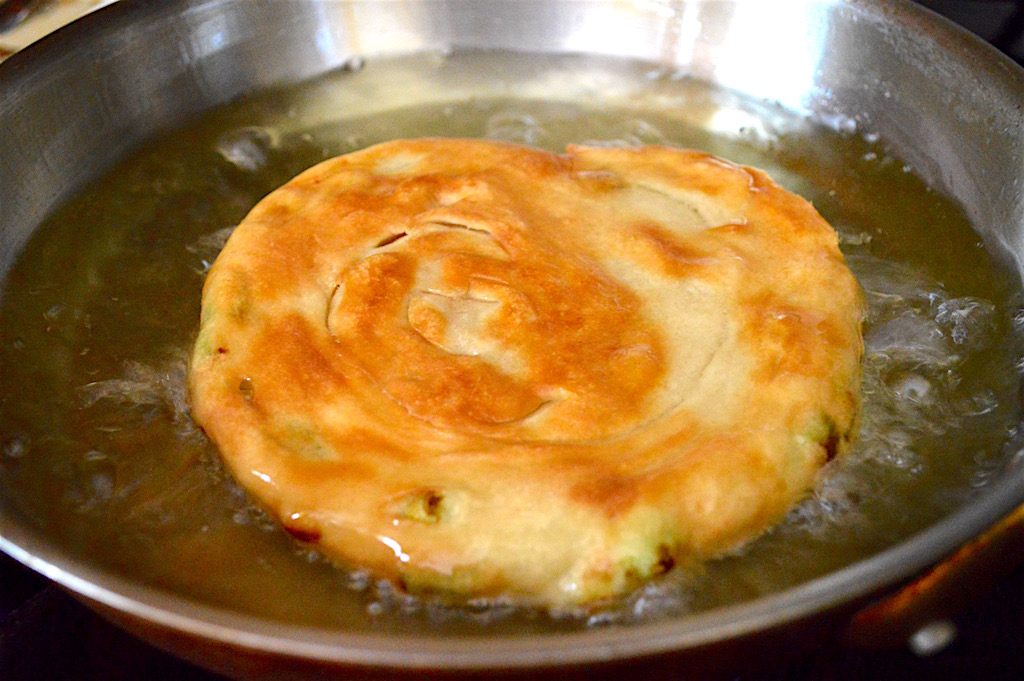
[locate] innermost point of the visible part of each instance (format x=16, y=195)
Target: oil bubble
x=968, y=321
x=93, y=484
x=207, y=247
x=913, y=387
x=516, y=127
x=248, y=149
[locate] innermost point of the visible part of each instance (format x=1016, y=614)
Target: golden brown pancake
x=484, y=370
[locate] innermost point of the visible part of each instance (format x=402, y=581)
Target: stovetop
x=46, y=635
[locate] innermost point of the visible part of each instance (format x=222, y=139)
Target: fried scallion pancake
x=484, y=370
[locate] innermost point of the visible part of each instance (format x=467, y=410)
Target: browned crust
x=597, y=363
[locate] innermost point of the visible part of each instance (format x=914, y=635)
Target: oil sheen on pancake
x=481, y=370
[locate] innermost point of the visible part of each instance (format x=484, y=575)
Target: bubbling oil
x=100, y=311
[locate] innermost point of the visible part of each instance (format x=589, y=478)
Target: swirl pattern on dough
x=491, y=371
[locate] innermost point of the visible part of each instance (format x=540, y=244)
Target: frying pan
x=949, y=106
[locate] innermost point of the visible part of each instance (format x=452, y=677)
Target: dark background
x=46, y=635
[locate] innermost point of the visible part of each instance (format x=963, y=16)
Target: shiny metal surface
x=80, y=99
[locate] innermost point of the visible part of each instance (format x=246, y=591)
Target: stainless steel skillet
x=82, y=99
